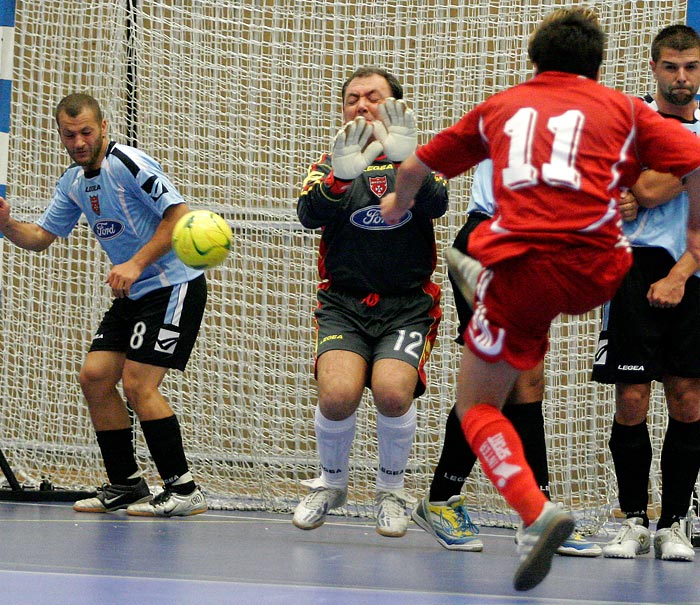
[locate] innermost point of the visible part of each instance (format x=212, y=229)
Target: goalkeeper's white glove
x=351, y=153
x=397, y=130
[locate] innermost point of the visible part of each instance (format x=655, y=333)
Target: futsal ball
x=202, y=239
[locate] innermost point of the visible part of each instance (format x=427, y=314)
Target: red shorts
x=518, y=298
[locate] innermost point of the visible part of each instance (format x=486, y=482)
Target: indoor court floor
x=51, y=554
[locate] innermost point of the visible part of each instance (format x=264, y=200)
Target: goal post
x=236, y=99
x=15, y=490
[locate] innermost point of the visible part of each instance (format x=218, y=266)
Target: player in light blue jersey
x=651, y=330
x=153, y=322
x=442, y=512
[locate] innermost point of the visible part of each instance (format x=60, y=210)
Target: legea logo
x=108, y=229
x=371, y=218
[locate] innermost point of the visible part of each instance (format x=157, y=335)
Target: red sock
x=497, y=444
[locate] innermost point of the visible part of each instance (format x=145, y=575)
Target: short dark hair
x=568, y=40
x=74, y=104
x=364, y=72
x=676, y=37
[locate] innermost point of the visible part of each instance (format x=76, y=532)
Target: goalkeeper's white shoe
x=538, y=543
x=312, y=509
x=465, y=271
x=391, y=508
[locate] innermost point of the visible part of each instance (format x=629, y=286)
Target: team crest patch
x=378, y=185
x=95, y=204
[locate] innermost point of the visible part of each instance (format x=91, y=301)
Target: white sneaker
x=171, y=504
x=465, y=271
x=632, y=540
x=671, y=544
x=312, y=509
x=392, y=514
x=537, y=544
x=114, y=497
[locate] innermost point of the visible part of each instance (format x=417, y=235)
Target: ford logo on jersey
x=371, y=218
x=108, y=229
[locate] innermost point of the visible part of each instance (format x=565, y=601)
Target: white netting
x=236, y=99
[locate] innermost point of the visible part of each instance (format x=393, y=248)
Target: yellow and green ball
x=202, y=239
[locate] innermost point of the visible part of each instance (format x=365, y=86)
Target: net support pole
x=131, y=75
x=16, y=492
x=7, y=32
x=7, y=35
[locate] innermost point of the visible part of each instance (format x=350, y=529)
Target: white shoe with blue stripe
x=577, y=546
x=574, y=546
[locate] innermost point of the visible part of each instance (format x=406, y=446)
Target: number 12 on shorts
x=411, y=343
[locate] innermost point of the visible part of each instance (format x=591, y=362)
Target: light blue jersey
x=123, y=202
x=482, y=199
x=663, y=226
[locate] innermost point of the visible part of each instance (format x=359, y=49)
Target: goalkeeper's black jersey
x=359, y=252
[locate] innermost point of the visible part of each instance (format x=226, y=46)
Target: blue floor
x=50, y=554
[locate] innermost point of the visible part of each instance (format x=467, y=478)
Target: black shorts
x=158, y=329
x=640, y=343
x=393, y=327
x=464, y=311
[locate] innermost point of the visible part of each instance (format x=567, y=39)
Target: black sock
x=117, y=448
x=165, y=444
x=642, y=514
x=457, y=459
x=630, y=447
x=528, y=421
x=680, y=463
x=455, y=464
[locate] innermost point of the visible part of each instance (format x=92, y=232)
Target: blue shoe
x=449, y=523
x=577, y=546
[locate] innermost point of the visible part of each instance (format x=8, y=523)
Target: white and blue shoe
x=537, y=544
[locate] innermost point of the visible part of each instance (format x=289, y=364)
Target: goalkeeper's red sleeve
x=335, y=185
x=494, y=440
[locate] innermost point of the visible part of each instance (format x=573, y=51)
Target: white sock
x=333, y=441
x=395, y=439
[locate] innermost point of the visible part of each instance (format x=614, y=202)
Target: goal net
x=236, y=99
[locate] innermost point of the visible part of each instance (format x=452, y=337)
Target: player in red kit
x=564, y=147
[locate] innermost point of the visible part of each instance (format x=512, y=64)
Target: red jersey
x=563, y=147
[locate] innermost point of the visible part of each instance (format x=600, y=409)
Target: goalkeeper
x=152, y=324
x=378, y=309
